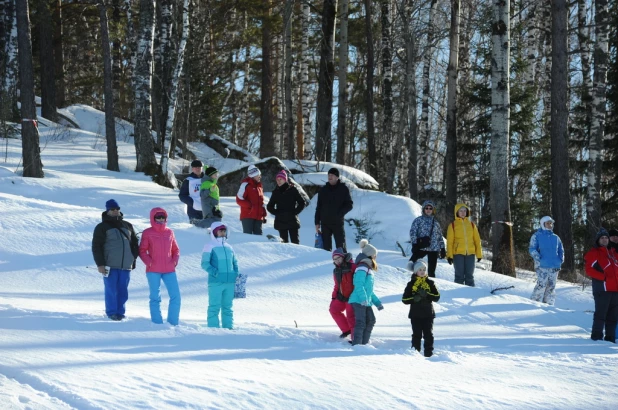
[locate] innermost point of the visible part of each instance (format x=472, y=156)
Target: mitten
x=597, y=267
x=217, y=212
x=450, y=261
x=478, y=259
x=264, y=220
x=442, y=253
x=380, y=307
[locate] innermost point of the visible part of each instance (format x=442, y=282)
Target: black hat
x=602, y=232
x=196, y=163
x=613, y=232
x=210, y=171
x=334, y=171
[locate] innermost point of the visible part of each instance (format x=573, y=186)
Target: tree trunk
x=131, y=40
x=371, y=143
x=31, y=151
x=325, y=82
x=144, y=145
x=58, y=54
x=267, y=137
x=583, y=37
x=450, y=160
x=46, y=56
x=342, y=105
x=162, y=71
x=289, y=109
x=561, y=196
x=599, y=101
x=411, y=61
x=9, y=81
x=306, y=149
x=110, y=121
x=244, y=96
x=388, y=180
x=502, y=236
x=119, y=100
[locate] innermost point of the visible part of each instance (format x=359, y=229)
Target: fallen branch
x=493, y=292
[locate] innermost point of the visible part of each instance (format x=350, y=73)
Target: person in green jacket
x=209, y=197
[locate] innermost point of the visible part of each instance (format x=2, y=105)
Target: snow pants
x=220, y=299
x=251, y=226
x=293, y=235
x=345, y=322
x=363, y=326
x=544, y=291
x=464, y=269
x=605, y=316
x=171, y=284
x=116, y=291
x=422, y=328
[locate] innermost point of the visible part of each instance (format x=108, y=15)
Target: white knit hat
x=253, y=171
x=367, y=249
x=417, y=267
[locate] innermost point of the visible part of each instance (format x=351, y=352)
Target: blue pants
x=171, y=284
x=464, y=269
x=116, y=291
x=220, y=298
x=365, y=320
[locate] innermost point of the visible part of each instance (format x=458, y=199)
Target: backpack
x=347, y=282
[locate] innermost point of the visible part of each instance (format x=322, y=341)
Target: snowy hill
x=59, y=351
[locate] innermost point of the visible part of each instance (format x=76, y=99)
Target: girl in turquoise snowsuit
x=219, y=260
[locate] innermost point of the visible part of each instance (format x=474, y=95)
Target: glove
x=217, y=212
x=450, y=261
x=380, y=307
x=442, y=253
x=478, y=259
x=264, y=220
x=597, y=267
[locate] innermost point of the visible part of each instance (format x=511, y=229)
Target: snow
x=59, y=351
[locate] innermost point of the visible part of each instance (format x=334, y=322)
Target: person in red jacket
x=343, y=275
x=250, y=197
x=602, y=267
x=159, y=252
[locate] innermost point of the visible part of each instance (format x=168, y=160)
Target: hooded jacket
x=158, y=248
x=462, y=236
x=427, y=226
x=286, y=203
x=348, y=266
x=419, y=294
x=250, y=197
x=363, y=283
x=546, y=248
x=218, y=259
x=601, y=265
x=114, y=243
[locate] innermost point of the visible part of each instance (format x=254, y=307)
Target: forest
x=510, y=106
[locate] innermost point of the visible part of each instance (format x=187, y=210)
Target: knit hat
x=253, y=171
x=338, y=252
x=613, y=232
x=196, y=163
x=431, y=204
x=546, y=219
x=282, y=174
x=210, y=171
x=602, y=232
x=367, y=249
x=417, y=268
x=111, y=204
x=334, y=171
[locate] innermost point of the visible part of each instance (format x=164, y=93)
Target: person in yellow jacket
x=463, y=245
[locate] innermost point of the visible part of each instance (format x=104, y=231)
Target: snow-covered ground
x=58, y=350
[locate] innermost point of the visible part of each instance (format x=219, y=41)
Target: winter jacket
x=286, y=203
x=334, y=201
x=250, y=197
x=546, y=249
x=346, y=267
x=114, y=243
x=422, y=226
x=462, y=236
x=602, y=267
x=158, y=248
x=363, y=285
x=209, y=196
x=420, y=292
x=190, y=195
x=219, y=260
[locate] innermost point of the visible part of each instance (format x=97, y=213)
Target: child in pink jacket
x=159, y=252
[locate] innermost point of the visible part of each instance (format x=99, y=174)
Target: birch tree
x=342, y=77
x=371, y=143
x=502, y=235
x=599, y=100
x=583, y=38
x=387, y=97
x=267, y=137
x=304, y=77
x=144, y=145
x=411, y=63
x=31, y=151
x=168, y=177
x=289, y=110
x=58, y=53
x=450, y=161
x=9, y=82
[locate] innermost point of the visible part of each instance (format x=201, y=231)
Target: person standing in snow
x=419, y=293
x=602, y=267
x=219, y=260
x=426, y=238
x=190, y=192
x=548, y=253
x=115, y=248
x=334, y=201
x=160, y=253
x=286, y=203
x=613, y=239
x=250, y=197
x=463, y=245
x=209, y=198
x=362, y=297
x=343, y=275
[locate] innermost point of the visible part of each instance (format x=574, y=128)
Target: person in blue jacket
x=219, y=260
x=548, y=253
x=362, y=297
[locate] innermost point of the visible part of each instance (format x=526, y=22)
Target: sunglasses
x=429, y=207
x=114, y=209
x=160, y=217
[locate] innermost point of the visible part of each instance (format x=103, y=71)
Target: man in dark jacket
x=613, y=239
x=115, y=248
x=190, y=192
x=334, y=201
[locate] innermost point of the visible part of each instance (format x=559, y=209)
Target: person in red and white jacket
x=250, y=197
x=602, y=267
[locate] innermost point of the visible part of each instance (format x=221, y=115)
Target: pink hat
x=282, y=174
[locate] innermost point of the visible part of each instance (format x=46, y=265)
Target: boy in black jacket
x=419, y=294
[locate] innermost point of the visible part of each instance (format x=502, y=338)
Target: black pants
x=432, y=260
x=333, y=230
x=283, y=233
x=422, y=328
x=605, y=315
x=251, y=226
x=365, y=320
